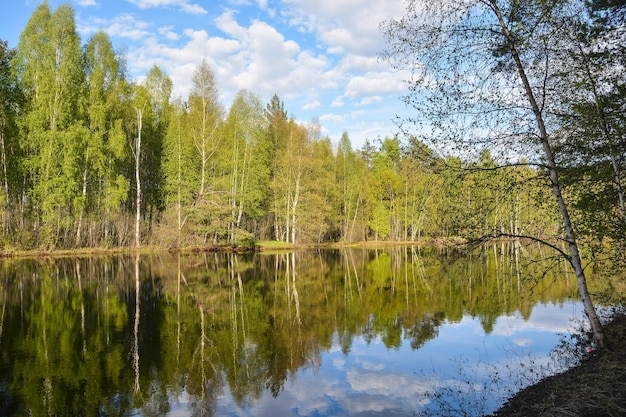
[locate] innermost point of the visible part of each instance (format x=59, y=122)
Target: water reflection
x=350, y=332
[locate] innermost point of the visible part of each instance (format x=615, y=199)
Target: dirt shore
x=596, y=387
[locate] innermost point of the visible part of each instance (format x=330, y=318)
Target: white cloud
x=227, y=24
x=339, y=363
x=310, y=106
x=256, y=57
x=388, y=386
x=268, y=63
x=192, y=8
x=360, y=63
x=366, y=101
x=122, y=26
x=326, y=68
x=200, y=44
x=375, y=83
x=168, y=33
x=550, y=319
x=371, y=366
x=349, y=25
x=523, y=341
x=183, y=5
x=329, y=117
x=86, y=3
x=337, y=102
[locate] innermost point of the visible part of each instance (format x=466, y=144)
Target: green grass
x=273, y=245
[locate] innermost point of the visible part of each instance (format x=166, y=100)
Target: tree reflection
x=115, y=335
x=423, y=330
x=135, y=346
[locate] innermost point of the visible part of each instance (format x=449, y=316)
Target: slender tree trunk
x=137, y=176
x=295, y=296
x=82, y=309
x=5, y=178
x=294, y=208
x=203, y=147
x=356, y=212
x=574, y=258
x=82, y=209
x=242, y=186
x=277, y=232
x=233, y=187
x=178, y=197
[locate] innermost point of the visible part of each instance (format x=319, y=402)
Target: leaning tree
x=486, y=74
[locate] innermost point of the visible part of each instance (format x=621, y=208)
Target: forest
x=91, y=158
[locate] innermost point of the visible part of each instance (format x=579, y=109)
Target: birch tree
x=159, y=87
x=422, y=189
x=247, y=173
x=482, y=77
x=140, y=103
x=351, y=174
x=103, y=186
x=314, y=217
x=49, y=68
x=10, y=170
x=205, y=114
x=177, y=155
x=287, y=182
x=384, y=188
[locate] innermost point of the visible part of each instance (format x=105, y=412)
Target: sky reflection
x=373, y=380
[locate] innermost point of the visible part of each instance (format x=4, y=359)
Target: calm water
x=324, y=333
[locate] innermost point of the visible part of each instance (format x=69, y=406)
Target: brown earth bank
x=596, y=387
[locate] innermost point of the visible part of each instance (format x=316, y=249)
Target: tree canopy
x=510, y=77
x=97, y=159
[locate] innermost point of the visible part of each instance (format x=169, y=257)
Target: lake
x=355, y=332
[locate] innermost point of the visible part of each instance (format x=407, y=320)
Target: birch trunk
x=294, y=208
x=574, y=258
x=137, y=176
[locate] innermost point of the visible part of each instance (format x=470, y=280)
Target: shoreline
x=595, y=387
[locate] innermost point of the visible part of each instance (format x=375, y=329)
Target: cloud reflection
x=374, y=380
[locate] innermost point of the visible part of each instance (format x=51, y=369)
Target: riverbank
x=596, y=387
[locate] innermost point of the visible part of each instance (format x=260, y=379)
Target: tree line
x=92, y=158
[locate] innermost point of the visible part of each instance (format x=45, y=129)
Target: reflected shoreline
x=137, y=332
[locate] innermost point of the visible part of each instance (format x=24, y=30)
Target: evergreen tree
x=274, y=142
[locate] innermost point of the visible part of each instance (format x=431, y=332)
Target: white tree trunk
x=296, y=196
x=574, y=258
x=137, y=176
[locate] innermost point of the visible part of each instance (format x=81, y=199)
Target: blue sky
x=319, y=56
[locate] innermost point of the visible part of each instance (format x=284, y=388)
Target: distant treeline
x=90, y=158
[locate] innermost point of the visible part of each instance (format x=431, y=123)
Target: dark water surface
x=316, y=333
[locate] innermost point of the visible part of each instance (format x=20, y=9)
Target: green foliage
x=73, y=174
